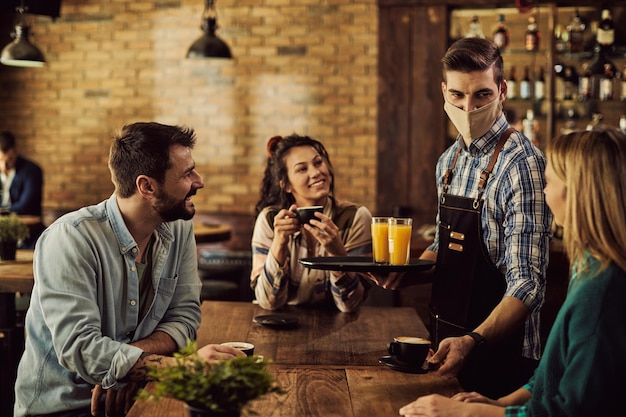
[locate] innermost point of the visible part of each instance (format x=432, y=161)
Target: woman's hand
x=285, y=225
x=326, y=232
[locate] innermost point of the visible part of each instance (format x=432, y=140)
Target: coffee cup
x=410, y=350
x=247, y=348
x=306, y=214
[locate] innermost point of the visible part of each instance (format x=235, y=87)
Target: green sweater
x=583, y=368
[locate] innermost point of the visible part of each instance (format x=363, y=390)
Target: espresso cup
x=410, y=350
x=247, y=348
x=306, y=214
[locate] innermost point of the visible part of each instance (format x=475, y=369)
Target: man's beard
x=171, y=209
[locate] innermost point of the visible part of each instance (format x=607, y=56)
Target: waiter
x=492, y=242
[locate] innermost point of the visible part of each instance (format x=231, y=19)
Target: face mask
x=473, y=124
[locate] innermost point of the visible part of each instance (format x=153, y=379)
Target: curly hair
x=272, y=194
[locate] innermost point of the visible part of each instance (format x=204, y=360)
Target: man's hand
x=116, y=403
x=218, y=352
x=451, y=355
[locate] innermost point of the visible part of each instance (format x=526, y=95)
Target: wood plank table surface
x=17, y=275
x=327, y=364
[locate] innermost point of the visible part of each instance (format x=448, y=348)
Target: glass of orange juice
x=380, y=240
x=399, y=230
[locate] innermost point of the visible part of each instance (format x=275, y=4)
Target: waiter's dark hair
x=474, y=54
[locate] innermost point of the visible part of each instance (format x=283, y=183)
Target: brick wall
x=305, y=66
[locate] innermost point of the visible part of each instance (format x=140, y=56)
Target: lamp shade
x=209, y=45
x=20, y=52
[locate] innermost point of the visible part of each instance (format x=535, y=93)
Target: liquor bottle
x=598, y=70
x=584, y=84
x=623, y=86
x=501, y=34
x=511, y=84
x=524, y=85
x=540, y=85
x=571, y=79
x=531, y=39
x=576, y=31
x=605, y=35
x=622, y=123
x=530, y=127
x=606, y=83
x=475, y=30
x=596, y=118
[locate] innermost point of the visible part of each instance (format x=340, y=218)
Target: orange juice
x=380, y=240
x=399, y=241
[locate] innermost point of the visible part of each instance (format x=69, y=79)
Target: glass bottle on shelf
x=560, y=38
x=623, y=86
x=605, y=35
x=584, y=83
x=524, y=85
x=531, y=38
x=475, y=29
x=540, y=85
x=606, y=83
x=576, y=32
x=530, y=127
x=622, y=123
x=511, y=84
x=501, y=34
x=599, y=66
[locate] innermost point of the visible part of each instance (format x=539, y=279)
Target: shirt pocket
x=163, y=297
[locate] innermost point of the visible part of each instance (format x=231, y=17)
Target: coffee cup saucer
x=396, y=365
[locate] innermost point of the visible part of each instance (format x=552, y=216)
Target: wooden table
x=209, y=232
x=15, y=276
x=328, y=364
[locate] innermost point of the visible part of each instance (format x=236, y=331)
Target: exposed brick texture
x=305, y=66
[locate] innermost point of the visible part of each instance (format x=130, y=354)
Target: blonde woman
x=584, y=360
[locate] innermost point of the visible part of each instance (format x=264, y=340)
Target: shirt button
x=133, y=268
x=133, y=302
x=134, y=250
x=123, y=248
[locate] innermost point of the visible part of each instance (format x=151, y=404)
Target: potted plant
x=12, y=231
x=211, y=388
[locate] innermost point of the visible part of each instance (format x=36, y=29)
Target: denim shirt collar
x=125, y=240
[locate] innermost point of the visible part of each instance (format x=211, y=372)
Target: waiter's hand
x=451, y=355
x=391, y=281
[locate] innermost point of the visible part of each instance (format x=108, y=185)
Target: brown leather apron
x=467, y=286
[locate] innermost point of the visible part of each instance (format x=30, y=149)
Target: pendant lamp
x=209, y=45
x=21, y=52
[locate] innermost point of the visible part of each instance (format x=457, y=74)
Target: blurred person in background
x=21, y=185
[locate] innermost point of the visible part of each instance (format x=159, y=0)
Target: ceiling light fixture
x=20, y=52
x=209, y=45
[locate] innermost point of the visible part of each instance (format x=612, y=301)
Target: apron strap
x=485, y=174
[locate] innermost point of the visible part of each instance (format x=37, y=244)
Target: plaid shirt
x=515, y=218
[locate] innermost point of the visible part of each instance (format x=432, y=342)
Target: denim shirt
x=84, y=310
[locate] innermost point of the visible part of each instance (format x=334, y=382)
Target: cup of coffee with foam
x=247, y=348
x=409, y=350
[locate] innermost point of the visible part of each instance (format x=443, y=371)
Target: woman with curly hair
x=298, y=173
